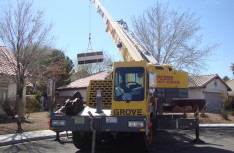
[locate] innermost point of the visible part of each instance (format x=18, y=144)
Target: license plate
x=137, y=124
x=111, y=119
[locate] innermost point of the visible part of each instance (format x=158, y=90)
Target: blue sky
x=71, y=25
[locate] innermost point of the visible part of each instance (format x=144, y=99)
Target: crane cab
x=135, y=82
x=129, y=89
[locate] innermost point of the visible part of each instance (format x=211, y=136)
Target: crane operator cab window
x=129, y=84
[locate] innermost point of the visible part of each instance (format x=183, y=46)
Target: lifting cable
x=90, y=56
x=90, y=23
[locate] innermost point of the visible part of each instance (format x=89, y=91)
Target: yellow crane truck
x=131, y=99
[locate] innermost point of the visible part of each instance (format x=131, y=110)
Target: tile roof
x=201, y=81
x=6, y=61
x=84, y=82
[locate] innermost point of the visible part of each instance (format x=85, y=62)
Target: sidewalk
x=216, y=125
x=10, y=139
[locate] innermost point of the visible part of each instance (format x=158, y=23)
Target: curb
x=25, y=140
x=216, y=125
x=11, y=139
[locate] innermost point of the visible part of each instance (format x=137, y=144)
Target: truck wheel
x=82, y=140
x=149, y=141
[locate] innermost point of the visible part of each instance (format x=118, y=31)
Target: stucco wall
x=196, y=93
x=10, y=86
x=12, y=91
x=231, y=85
x=216, y=86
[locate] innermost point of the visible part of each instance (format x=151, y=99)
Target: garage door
x=214, y=101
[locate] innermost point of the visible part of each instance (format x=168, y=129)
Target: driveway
x=216, y=140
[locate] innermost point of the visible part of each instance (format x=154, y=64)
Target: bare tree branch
x=172, y=37
x=24, y=33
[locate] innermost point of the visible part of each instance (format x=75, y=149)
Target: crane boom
x=126, y=44
x=131, y=100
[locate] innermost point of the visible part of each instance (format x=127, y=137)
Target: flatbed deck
x=93, y=110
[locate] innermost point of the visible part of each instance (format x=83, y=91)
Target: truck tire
x=82, y=140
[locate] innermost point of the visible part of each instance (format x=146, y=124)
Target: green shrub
x=232, y=112
x=223, y=113
x=32, y=103
x=37, y=96
x=9, y=107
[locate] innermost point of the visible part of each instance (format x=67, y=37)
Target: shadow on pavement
x=166, y=142
x=171, y=142
x=24, y=147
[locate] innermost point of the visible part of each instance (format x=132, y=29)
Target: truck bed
x=84, y=112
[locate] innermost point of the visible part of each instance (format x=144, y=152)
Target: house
x=209, y=87
x=80, y=85
x=8, y=85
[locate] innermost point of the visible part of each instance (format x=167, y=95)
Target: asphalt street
x=216, y=140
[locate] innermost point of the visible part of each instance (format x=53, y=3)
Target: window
x=129, y=84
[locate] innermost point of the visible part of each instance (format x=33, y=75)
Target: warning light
x=149, y=124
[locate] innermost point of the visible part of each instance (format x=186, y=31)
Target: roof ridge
x=204, y=75
x=83, y=82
